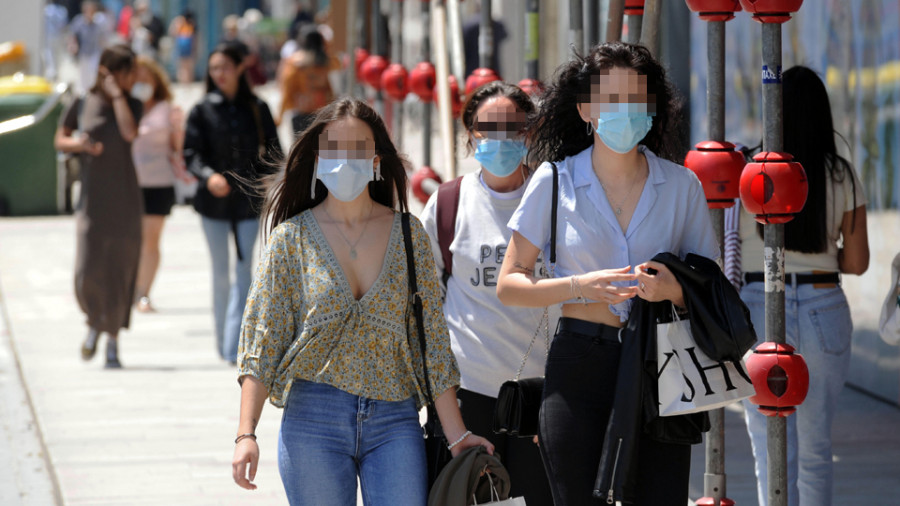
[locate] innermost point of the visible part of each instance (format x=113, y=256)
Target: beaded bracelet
x=244, y=436
x=460, y=440
x=580, y=294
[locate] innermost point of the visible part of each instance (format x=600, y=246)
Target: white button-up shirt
x=671, y=216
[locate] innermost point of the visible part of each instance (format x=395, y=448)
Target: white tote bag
x=495, y=497
x=690, y=381
x=889, y=323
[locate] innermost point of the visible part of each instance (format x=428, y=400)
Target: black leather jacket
x=226, y=136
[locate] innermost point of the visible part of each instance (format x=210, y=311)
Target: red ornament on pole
x=771, y=11
x=714, y=10
x=709, y=501
x=422, y=181
x=371, y=70
x=531, y=87
x=718, y=166
x=421, y=81
x=780, y=378
x=773, y=188
x=455, y=101
x=479, y=78
x=361, y=55
x=634, y=7
x=394, y=82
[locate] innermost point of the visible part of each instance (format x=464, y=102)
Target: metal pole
x=714, y=480
x=379, y=47
x=486, y=37
x=532, y=39
x=457, y=51
x=773, y=236
x=351, y=47
x=576, y=27
x=634, y=28
x=426, y=106
x=650, y=27
x=442, y=64
x=614, y=20
x=397, y=57
x=591, y=23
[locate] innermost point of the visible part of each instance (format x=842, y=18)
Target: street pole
x=426, y=106
x=576, y=26
x=634, y=20
x=532, y=40
x=351, y=47
x=397, y=57
x=379, y=47
x=591, y=23
x=614, y=18
x=486, y=37
x=773, y=237
x=650, y=27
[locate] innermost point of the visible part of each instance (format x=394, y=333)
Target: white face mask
x=142, y=91
x=345, y=178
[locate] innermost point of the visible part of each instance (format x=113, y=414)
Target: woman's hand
x=88, y=146
x=109, y=84
x=218, y=185
x=597, y=285
x=657, y=283
x=246, y=452
x=470, y=441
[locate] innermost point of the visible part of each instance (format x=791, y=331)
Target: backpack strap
x=553, y=207
x=447, y=209
x=416, y=304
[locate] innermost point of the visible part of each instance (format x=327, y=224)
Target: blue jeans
x=229, y=298
x=818, y=325
x=328, y=437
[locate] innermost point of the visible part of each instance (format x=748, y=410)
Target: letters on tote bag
x=690, y=381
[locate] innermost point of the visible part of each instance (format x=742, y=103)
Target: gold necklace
x=344, y=237
x=618, y=208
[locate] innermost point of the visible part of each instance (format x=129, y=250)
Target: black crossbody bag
x=519, y=399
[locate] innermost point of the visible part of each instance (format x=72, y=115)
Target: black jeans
x=520, y=456
x=579, y=391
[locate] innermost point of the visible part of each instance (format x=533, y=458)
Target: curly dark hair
x=287, y=192
x=490, y=90
x=558, y=130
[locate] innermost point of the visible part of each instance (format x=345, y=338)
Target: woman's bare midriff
x=597, y=312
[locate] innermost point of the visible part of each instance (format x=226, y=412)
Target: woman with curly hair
x=607, y=126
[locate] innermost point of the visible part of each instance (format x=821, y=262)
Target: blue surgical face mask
x=624, y=126
x=345, y=178
x=500, y=157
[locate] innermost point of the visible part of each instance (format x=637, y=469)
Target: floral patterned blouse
x=302, y=320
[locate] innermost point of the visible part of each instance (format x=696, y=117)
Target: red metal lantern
x=718, y=166
x=479, y=78
x=394, y=82
x=421, y=81
x=780, y=378
x=361, y=55
x=371, y=70
x=771, y=11
x=532, y=87
x=455, y=101
x=634, y=7
x=773, y=188
x=709, y=501
x=424, y=182
x=714, y=10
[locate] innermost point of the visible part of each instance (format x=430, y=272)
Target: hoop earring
x=590, y=129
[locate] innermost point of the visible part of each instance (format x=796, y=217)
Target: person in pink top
x=158, y=161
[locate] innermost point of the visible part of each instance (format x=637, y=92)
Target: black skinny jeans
x=579, y=391
x=520, y=456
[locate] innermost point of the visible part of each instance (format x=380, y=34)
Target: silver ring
x=643, y=286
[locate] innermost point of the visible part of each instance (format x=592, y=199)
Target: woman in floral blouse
x=325, y=332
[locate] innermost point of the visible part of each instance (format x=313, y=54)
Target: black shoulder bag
x=436, y=451
x=519, y=400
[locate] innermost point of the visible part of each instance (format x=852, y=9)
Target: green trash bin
x=28, y=166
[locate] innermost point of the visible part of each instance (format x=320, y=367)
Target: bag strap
x=417, y=305
x=447, y=209
x=545, y=318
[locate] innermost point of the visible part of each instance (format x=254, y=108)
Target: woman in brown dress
x=108, y=216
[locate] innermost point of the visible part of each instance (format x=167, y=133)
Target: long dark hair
x=558, y=130
x=115, y=59
x=311, y=40
x=490, y=90
x=287, y=192
x=809, y=136
x=230, y=51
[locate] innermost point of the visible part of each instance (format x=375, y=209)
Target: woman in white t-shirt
x=488, y=338
x=826, y=238
x=158, y=161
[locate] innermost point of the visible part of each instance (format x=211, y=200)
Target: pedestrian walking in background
x=108, y=216
x=88, y=35
x=148, y=31
x=608, y=123
x=158, y=161
x=304, y=79
x=183, y=29
x=229, y=137
x=326, y=334
x=488, y=338
x=828, y=237
x=56, y=17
